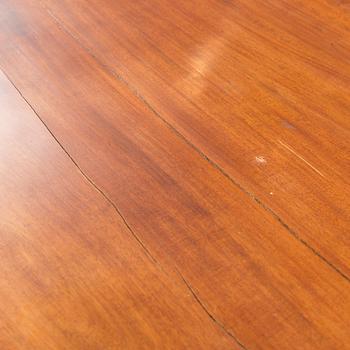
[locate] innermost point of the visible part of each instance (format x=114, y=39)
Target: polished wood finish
x=72, y=274
x=181, y=179
x=242, y=80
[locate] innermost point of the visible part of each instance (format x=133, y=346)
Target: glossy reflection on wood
x=72, y=275
x=241, y=80
x=190, y=187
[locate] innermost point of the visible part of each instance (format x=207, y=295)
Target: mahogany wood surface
x=72, y=274
x=243, y=81
x=174, y=174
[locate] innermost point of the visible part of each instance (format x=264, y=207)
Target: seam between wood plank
x=139, y=241
x=87, y=178
x=210, y=315
x=120, y=78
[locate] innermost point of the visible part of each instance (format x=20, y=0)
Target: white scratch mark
x=260, y=159
x=300, y=157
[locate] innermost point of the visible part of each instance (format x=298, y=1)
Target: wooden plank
x=260, y=87
x=252, y=274
x=72, y=276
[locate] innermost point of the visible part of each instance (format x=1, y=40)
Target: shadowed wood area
x=174, y=174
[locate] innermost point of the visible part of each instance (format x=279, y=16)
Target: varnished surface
x=174, y=174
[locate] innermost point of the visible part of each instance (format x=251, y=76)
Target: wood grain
x=243, y=80
x=72, y=275
x=236, y=266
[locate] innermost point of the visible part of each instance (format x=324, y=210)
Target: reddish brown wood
x=72, y=276
x=270, y=281
x=242, y=80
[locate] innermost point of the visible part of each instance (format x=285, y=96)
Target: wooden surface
x=174, y=174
